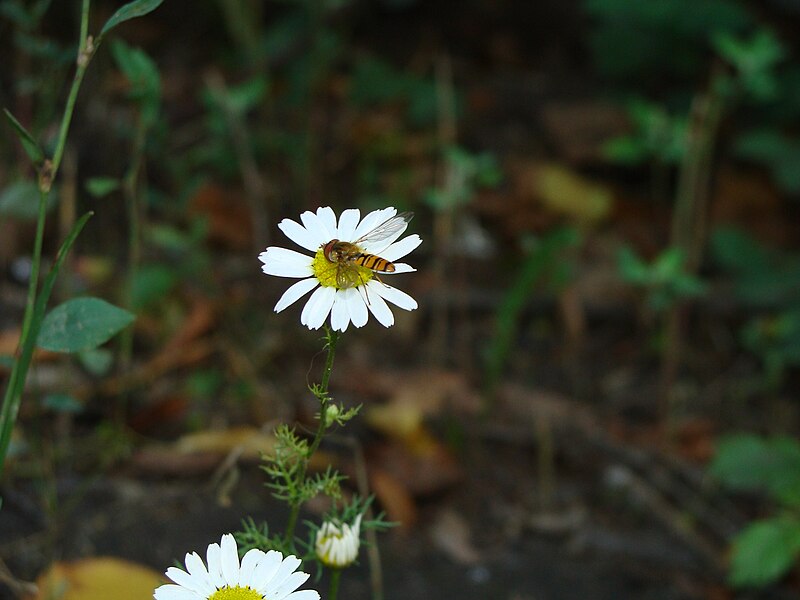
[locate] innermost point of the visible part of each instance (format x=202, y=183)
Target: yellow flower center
x=236, y=593
x=339, y=275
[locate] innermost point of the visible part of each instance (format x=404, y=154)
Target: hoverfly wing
x=390, y=227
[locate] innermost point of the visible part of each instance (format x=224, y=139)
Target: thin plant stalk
x=333, y=588
x=689, y=228
x=47, y=174
x=332, y=338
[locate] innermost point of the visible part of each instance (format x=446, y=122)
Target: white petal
x=286, y=568
x=214, y=562
x=303, y=595
x=181, y=577
x=340, y=316
x=317, y=308
x=395, y=296
x=266, y=570
x=230, y=560
x=176, y=592
x=295, y=292
x=399, y=249
x=290, y=584
x=249, y=563
x=196, y=568
x=348, y=221
x=357, y=307
x=378, y=307
x=400, y=268
x=285, y=263
x=328, y=219
x=317, y=227
x=372, y=220
x=300, y=235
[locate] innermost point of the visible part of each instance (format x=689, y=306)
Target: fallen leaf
x=249, y=441
x=99, y=578
x=227, y=213
x=450, y=533
x=394, y=497
x=566, y=193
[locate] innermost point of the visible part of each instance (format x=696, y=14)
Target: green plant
x=544, y=265
x=649, y=41
x=767, y=548
x=768, y=282
x=70, y=328
x=665, y=281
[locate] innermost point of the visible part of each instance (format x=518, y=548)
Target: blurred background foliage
x=607, y=189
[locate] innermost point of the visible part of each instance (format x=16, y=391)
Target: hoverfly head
x=331, y=253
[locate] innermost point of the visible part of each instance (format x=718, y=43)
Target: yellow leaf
x=565, y=192
x=99, y=578
x=251, y=441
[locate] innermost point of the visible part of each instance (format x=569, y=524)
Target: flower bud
x=337, y=545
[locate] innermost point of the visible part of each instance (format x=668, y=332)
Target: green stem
x=86, y=50
x=333, y=589
x=13, y=393
x=332, y=338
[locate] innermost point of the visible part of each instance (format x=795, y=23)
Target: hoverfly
x=348, y=256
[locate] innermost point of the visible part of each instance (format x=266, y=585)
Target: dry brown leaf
x=99, y=578
x=248, y=441
x=200, y=452
x=8, y=346
x=450, y=533
x=421, y=463
x=394, y=498
x=229, y=219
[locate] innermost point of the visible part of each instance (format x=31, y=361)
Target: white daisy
x=346, y=290
x=337, y=546
x=260, y=576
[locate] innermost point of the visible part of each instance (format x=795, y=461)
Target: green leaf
x=150, y=284
x=62, y=403
x=131, y=10
x=82, y=324
x=97, y=361
x=753, y=463
x=26, y=139
x=102, y=186
x=20, y=200
x=764, y=551
x=143, y=76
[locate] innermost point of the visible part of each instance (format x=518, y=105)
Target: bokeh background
x=597, y=397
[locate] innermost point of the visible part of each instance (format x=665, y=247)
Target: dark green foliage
x=766, y=549
x=665, y=280
x=544, y=265
x=634, y=40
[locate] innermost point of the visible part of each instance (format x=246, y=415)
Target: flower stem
x=333, y=589
x=331, y=339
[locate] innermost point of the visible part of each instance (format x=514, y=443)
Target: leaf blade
x=131, y=10
x=82, y=324
x=29, y=144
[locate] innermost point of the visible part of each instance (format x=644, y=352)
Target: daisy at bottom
x=259, y=576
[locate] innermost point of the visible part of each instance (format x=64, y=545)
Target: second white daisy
x=260, y=576
x=349, y=257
